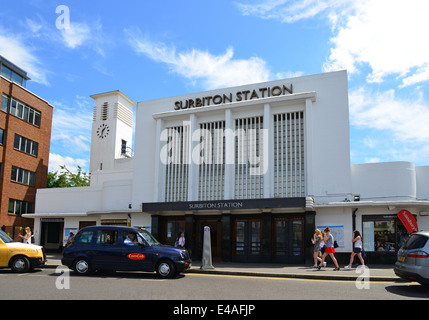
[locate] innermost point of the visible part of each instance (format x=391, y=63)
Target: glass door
x=173, y=226
x=247, y=239
x=289, y=246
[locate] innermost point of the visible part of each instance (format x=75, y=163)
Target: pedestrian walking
x=180, y=242
x=329, y=249
x=316, y=241
x=357, y=249
x=27, y=237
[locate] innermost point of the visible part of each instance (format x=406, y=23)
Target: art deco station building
x=262, y=165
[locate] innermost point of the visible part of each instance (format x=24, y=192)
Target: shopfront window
x=383, y=234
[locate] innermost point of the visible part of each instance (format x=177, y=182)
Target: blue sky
x=156, y=49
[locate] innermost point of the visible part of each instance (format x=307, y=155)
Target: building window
x=20, y=207
x=126, y=151
x=23, y=176
x=176, y=159
x=249, y=173
x=123, y=146
x=212, y=161
x=4, y=102
x=289, y=174
x=383, y=233
x=25, y=145
x=13, y=76
x=1, y=136
x=21, y=110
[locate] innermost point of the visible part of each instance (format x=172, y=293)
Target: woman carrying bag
x=329, y=245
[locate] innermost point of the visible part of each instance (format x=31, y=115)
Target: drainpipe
x=354, y=219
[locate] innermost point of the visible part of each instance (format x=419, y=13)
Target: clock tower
x=112, y=130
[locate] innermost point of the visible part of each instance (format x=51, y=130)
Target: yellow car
x=20, y=257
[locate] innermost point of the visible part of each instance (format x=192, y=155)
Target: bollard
x=207, y=250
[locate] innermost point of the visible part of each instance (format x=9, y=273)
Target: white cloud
x=290, y=11
x=385, y=127
x=86, y=35
x=76, y=35
x=214, y=71
x=71, y=125
x=56, y=160
x=372, y=160
x=13, y=48
x=386, y=35
x=406, y=119
x=33, y=25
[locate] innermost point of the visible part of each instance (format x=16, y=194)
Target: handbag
x=335, y=244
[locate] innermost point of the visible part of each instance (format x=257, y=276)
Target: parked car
x=20, y=257
x=123, y=248
x=413, y=259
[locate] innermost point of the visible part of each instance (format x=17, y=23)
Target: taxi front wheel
x=20, y=264
x=166, y=269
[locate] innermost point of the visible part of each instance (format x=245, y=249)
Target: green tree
x=66, y=178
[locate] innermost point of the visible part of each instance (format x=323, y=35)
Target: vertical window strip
x=177, y=164
x=289, y=173
x=249, y=182
x=211, y=179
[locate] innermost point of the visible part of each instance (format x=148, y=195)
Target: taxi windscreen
x=5, y=237
x=149, y=238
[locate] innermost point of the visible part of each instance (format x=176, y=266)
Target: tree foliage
x=65, y=178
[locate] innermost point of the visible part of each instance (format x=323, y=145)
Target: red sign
x=136, y=256
x=408, y=220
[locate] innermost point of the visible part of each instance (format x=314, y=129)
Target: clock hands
x=104, y=131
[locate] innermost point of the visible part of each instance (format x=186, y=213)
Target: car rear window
x=415, y=242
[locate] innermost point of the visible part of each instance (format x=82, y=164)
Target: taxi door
x=107, y=249
x=136, y=253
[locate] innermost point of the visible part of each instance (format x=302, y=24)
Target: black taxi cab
x=123, y=249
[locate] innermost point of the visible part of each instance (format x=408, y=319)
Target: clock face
x=103, y=131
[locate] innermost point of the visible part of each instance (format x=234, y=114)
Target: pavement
x=374, y=272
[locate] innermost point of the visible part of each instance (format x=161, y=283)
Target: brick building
x=25, y=133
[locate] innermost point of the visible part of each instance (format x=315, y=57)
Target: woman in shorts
x=357, y=249
x=317, y=240
x=329, y=249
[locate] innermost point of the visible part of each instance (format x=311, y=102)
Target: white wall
x=329, y=158
x=68, y=200
x=110, y=195
x=422, y=182
x=337, y=217
x=384, y=181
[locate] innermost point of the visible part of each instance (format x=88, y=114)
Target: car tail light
x=418, y=254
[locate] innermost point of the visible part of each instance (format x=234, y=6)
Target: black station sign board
x=224, y=204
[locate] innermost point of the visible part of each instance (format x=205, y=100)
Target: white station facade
x=262, y=165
